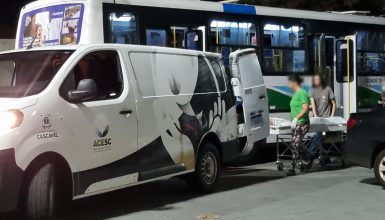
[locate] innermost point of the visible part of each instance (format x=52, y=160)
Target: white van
x=83, y=120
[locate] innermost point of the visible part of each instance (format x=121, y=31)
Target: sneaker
x=290, y=172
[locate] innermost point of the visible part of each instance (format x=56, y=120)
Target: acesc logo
x=102, y=142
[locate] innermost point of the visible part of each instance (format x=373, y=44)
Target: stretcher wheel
x=279, y=166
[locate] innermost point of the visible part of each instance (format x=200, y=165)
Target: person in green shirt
x=299, y=109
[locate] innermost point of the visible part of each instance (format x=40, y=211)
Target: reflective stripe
x=239, y=9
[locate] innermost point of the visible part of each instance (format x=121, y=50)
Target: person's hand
x=294, y=123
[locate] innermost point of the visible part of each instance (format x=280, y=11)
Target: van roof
x=132, y=48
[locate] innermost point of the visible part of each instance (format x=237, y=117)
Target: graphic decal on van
x=196, y=103
x=103, y=133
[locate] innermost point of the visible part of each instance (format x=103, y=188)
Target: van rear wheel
x=207, y=169
x=379, y=168
x=41, y=193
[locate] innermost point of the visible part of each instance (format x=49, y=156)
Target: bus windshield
x=53, y=25
x=29, y=73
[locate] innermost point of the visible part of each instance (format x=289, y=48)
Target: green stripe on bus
x=278, y=101
x=367, y=98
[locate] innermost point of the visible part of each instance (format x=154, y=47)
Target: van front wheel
x=41, y=193
x=207, y=169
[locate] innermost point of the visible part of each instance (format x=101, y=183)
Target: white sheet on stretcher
x=282, y=126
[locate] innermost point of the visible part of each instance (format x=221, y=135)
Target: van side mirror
x=86, y=90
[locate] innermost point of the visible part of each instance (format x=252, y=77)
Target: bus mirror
x=345, y=61
x=194, y=40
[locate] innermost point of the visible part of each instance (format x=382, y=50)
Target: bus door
x=251, y=94
x=345, y=86
x=322, y=57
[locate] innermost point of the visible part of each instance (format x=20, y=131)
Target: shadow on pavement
x=370, y=181
x=157, y=196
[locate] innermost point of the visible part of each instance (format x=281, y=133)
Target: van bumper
x=10, y=181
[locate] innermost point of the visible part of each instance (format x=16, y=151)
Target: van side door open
x=250, y=91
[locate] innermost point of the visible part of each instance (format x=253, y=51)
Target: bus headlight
x=10, y=119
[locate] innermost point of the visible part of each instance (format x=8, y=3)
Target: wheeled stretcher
x=333, y=130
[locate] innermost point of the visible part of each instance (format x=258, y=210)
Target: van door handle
x=262, y=97
x=125, y=112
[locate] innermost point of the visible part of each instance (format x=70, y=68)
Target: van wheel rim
x=209, y=168
x=381, y=168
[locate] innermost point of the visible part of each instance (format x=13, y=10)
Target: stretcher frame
x=283, y=140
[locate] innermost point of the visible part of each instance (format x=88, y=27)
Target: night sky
x=9, y=14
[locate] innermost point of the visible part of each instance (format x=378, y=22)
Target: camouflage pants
x=298, y=134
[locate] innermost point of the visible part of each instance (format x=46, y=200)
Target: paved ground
x=258, y=192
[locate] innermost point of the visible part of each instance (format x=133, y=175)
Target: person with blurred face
x=322, y=98
x=299, y=109
x=324, y=106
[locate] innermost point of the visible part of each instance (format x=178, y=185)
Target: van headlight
x=10, y=119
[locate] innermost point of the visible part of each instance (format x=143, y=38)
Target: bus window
x=178, y=36
x=156, y=37
x=370, y=63
x=371, y=41
x=234, y=33
x=123, y=28
x=194, y=40
x=283, y=36
x=371, y=53
x=229, y=36
x=284, y=61
x=284, y=50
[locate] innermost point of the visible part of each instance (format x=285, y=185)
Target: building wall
x=7, y=44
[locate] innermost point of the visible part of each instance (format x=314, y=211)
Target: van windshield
x=29, y=73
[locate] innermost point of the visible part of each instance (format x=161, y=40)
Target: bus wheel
x=207, y=169
x=41, y=193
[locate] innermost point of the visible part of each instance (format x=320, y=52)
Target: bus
x=349, y=50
